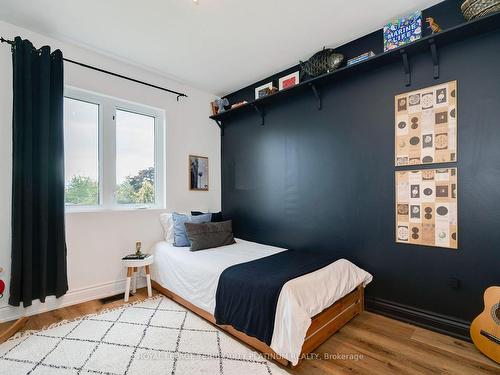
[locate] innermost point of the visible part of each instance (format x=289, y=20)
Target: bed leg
x=361, y=300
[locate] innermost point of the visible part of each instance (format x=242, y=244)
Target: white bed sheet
x=194, y=276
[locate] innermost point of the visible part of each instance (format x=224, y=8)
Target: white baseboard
x=72, y=297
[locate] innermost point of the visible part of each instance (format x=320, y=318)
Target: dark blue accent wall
x=324, y=180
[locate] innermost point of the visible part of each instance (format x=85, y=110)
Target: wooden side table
x=132, y=267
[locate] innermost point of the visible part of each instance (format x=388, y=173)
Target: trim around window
x=107, y=150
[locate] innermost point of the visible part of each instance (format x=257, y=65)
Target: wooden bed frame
x=323, y=325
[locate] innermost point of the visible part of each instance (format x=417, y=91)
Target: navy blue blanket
x=247, y=293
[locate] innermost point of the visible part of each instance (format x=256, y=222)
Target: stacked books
x=363, y=57
x=135, y=256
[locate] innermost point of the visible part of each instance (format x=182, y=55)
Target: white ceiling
x=218, y=45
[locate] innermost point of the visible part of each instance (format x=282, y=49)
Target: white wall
x=97, y=240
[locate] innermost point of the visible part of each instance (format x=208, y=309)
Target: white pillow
x=168, y=227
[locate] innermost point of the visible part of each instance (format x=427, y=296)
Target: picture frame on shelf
x=263, y=90
x=198, y=173
x=289, y=80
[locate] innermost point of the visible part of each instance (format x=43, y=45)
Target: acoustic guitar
x=485, y=329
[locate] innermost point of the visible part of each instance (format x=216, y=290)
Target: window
x=81, y=156
x=135, y=158
x=114, y=153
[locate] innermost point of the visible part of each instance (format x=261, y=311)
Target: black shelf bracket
x=406, y=67
x=260, y=112
x=435, y=58
x=316, y=94
x=219, y=124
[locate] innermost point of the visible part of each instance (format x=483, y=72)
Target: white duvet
x=194, y=276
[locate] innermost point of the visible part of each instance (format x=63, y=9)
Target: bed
x=310, y=308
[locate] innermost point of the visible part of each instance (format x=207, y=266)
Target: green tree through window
x=138, y=188
x=82, y=190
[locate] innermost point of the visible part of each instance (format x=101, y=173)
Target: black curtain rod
x=179, y=94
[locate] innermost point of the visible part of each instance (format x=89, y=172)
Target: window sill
x=83, y=210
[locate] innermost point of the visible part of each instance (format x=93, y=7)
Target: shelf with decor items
x=430, y=43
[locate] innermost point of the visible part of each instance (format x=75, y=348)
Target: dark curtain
x=38, y=234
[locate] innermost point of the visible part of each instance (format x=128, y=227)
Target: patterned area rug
x=156, y=336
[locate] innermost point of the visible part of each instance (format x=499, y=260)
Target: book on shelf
x=135, y=256
x=362, y=57
x=403, y=31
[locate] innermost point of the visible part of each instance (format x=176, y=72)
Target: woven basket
x=478, y=8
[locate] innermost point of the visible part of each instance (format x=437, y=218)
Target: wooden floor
x=71, y=312
x=388, y=346
x=369, y=344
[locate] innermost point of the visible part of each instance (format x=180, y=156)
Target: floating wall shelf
x=430, y=43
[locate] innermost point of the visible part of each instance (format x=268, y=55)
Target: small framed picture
x=198, y=173
x=263, y=90
x=288, y=81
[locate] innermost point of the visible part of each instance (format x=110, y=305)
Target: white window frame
x=108, y=106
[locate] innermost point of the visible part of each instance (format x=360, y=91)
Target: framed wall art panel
x=198, y=173
x=426, y=125
x=426, y=207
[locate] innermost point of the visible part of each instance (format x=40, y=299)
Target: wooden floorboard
x=71, y=312
x=387, y=346
x=369, y=344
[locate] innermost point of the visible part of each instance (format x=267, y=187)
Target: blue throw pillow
x=180, y=235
